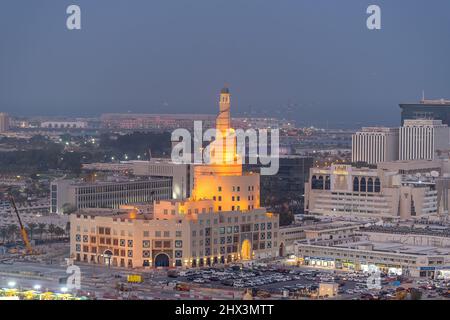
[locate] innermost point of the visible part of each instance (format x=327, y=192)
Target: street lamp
x=64, y=289
x=11, y=284
x=37, y=287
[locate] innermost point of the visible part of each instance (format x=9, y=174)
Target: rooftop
x=396, y=247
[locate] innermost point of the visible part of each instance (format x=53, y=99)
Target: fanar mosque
x=222, y=222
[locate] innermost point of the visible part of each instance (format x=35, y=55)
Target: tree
x=32, y=228
x=12, y=231
x=51, y=230
x=68, y=208
x=3, y=233
x=59, y=232
x=41, y=229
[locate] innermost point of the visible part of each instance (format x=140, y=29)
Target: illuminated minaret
x=223, y=121
x=223, y=150
x=222, y=179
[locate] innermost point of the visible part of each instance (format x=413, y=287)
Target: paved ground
x=50, y=273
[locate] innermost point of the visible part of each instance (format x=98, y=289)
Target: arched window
x=377, y=185
x=327, y=182
x=370, y=185
x=362, y=186
x=317, y=184
x=356, y=184
x=320, y=183
x=314, y=182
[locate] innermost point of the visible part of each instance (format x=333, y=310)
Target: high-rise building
x=4, y=122
x=427, y=109
x=423, y=140
x=375, y=144
x=221, y=222
x=288, y=185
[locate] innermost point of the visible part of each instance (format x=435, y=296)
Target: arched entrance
x=161, y=260
x=107, y=257
x=246, y=250
x=281, y=252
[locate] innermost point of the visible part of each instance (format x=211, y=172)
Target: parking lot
x=272, y=281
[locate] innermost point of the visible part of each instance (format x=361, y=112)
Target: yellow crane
x=23, y=231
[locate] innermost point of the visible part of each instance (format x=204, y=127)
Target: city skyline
x=174, y=151
x=151, y=58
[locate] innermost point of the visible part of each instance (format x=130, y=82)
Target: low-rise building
x=367, y=251
x=64, y=124
x=394, y=190
x=123, y=238
x=72, y=194
x=317, y=231
x=181, y=174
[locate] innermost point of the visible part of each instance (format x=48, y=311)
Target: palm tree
x=41, y=229
x=3, y=233
x=59, y=232
x=32, y=227
x=51, y=230
x=12, y=231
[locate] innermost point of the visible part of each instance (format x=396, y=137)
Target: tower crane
x=23, y=231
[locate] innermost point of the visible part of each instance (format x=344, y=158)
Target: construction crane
x=23, y=232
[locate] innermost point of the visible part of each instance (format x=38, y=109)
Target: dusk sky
x=173, y=56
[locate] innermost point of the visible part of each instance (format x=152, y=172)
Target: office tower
x=427, y=109
x=289, y=182
x=375, y=144
x=423, y=139
x=4, y=122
